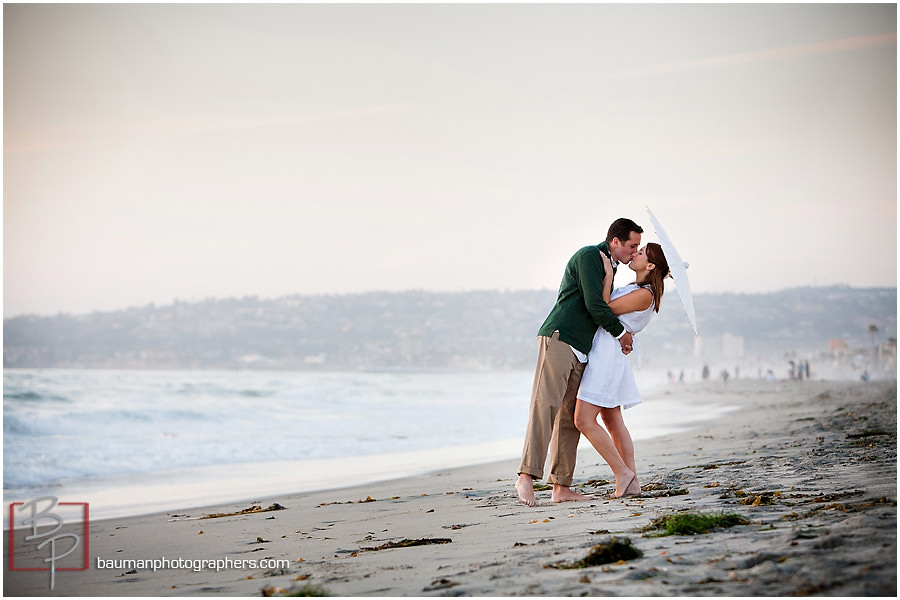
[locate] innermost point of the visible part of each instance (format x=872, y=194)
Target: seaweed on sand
x=304, y=591
x=665, y=493
x=762, y=499
x=612, y=550
x=693, y=523
x=247, y=511
x=406, y=543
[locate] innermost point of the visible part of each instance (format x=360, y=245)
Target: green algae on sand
x=692, y=523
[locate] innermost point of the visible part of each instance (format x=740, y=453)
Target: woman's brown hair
x=657, y=276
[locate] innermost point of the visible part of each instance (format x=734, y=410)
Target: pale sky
x=155, y=152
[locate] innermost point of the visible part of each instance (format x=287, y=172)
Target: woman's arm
x=639, y=299
x=607, y=278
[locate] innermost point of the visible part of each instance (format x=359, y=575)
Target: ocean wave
x=256, y=393
x=30, y=396
x=13, y=426
x=131, y=422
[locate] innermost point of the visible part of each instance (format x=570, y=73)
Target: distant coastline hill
x=431, y=330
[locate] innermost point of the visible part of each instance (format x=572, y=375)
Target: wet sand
x=811, y=466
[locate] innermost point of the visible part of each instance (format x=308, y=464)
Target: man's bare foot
x=525, y=488
x=562, y=493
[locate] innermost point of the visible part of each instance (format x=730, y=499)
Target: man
x=564, y=340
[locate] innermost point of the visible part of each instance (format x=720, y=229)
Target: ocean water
x=132, y=442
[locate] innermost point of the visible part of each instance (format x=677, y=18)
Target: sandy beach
x=810, y=466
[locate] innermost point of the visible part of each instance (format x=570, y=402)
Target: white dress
x=608, y=380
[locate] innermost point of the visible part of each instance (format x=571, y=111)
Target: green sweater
x=580, y=308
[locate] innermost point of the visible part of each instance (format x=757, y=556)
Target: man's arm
x=592, y=273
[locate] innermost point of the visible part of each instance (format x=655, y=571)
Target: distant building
x=886, y=356
x=837, y=347
x=314, y=359
x=732, y=346
x=725, y=346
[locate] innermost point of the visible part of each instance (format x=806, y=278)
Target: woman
x=608, y=381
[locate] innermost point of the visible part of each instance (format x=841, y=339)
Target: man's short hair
x=622, y=228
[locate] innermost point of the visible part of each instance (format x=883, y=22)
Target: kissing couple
x=583, y=371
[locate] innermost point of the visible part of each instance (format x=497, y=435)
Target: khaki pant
x=551, y=423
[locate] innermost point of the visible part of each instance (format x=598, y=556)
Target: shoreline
x=189, y=488
x=825, y=522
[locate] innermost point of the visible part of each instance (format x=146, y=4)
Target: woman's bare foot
x=630, y=477
x=634, y=489
x=525, y=489
x=563, y=493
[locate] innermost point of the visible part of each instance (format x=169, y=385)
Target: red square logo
x=48, y=535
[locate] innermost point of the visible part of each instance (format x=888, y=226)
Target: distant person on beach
x=564, y=340
x=608, y=383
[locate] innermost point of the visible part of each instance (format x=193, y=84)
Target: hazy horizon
x=670, y=292
x=155, y=152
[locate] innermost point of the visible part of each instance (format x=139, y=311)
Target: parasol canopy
x=677, y=270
